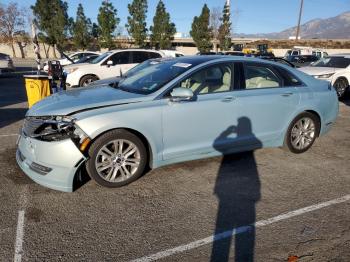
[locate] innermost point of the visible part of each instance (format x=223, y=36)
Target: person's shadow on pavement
x=238, y=189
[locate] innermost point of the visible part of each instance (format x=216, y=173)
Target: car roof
x=133, y=49
x=196, y=60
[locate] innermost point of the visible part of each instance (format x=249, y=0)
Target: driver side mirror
x=181, y=94
x=110, y=63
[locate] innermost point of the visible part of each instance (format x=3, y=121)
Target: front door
x=206, y=124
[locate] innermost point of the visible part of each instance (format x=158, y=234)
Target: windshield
x=335, y=61
x=100, y=58
x=153, y=76
x=137, y=68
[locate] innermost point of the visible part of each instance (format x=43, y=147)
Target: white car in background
x=6, y=64
x=335, y=69
x=76, y=57
x=172, y=53
x=110, y=64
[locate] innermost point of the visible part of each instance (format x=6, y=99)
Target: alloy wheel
x=303, y=133
x=118, y=160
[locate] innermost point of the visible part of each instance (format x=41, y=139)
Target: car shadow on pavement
x=346, y=101
x=11, y=115
x=237, y=188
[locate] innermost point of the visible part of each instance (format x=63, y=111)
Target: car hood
x=106, y=81
x=314, y=70
x=69, y=102
x=82, y=65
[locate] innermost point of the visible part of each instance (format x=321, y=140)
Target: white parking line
x=239, y=230
x=23, y=199
x=7, y=135
x=19, y=236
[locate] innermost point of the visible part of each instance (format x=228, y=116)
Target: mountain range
x=337, y=27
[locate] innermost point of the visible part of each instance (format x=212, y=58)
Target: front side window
x=214, y=79
x=100, y=58
x=76, y=57
x=260, y=76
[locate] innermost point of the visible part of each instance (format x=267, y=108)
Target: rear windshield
x=335, y=61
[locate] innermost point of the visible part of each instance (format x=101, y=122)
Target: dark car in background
x=6, y=64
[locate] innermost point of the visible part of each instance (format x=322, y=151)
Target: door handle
x=228, y=99
x=287, y=94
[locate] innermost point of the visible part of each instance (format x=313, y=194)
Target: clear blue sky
x=254, y=16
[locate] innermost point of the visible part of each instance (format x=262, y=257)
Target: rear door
x=268, y=99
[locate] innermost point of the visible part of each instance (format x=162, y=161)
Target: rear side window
x=288, y=78
x=154, y=55
x=121, y=58
x=260, y=76
x=139, y=57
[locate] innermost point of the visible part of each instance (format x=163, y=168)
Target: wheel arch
x=318, y=117
x=87, y=75
x=141, y=136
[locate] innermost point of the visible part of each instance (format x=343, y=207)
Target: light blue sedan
x=173, y=110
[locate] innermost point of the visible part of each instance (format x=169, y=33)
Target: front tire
x=86, y=80
x=302, y=133
x=117, y=158
x=341, y=85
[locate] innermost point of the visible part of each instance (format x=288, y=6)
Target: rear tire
x=117, y=158
x=86, y=80
x=341, y=85
x=302, y=133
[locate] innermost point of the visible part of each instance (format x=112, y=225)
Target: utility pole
x=299, y=20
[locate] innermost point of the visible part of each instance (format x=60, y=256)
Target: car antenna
x=121, y=73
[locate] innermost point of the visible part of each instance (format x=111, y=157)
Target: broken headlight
x=55, y=128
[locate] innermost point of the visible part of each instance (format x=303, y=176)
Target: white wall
x=28, y=51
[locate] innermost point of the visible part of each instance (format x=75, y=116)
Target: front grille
x=42, y=170
x=30, y=125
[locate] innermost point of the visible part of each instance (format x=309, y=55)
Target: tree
x=81, y=29
x=108, y=22
x=11, y=21
x=201, y=32
x=52, y=19
x=163, y=29
x=95, y=31
x=136, y=25
x=225, y=29
x=215, y=21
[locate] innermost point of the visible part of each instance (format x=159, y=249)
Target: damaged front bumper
x=50, y=164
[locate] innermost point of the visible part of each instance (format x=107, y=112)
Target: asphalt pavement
x=299, y=204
